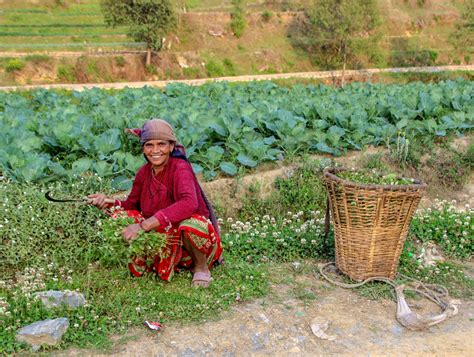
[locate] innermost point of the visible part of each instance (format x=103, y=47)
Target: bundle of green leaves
x=116, y=251
x=370, y=177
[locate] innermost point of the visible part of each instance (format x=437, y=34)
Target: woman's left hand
x=131, y=232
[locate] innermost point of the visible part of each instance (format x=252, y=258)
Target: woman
x=168, y=196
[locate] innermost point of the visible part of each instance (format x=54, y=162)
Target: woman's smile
x=158, y=152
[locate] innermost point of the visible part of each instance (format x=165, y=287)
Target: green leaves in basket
x=372, y=178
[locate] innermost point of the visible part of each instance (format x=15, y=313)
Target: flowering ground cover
x=51, y=246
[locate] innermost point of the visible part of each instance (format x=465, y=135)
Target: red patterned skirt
x=197, y=229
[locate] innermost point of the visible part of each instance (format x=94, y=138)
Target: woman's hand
x=99, y=200
x=131, y=232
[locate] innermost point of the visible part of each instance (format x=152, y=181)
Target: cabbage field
x=47, y=135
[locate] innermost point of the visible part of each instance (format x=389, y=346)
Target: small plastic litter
x=430, y=255
x=319, y=330
x=296, y=266
x=155, y=326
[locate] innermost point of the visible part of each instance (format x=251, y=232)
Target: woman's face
x=158, y=152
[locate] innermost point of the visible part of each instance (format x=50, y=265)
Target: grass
x=65, y=250
x=117, y=302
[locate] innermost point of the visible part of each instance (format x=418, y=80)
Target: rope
x=433, y=292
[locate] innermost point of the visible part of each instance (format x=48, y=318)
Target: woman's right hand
x=98, y=200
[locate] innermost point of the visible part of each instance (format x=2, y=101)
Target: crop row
x=48, y=134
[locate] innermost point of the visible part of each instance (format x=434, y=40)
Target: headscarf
x=154, y=129
x=159, y=129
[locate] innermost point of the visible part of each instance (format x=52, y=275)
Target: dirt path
x=279, y=324
x=196, y=82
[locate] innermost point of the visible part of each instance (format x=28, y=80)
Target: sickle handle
x=107, y=200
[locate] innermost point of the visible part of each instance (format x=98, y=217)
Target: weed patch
x=66, y=73
x=14, y=64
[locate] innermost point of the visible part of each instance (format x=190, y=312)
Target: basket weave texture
x=370, y=224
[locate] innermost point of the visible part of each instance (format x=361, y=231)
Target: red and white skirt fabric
x=197, y=229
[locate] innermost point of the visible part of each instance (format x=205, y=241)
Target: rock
x=46, y=332
x=295, y=350
x=319, y=328
x=183, y=63
x=264, y=318
x=260, y=341
x=55, y=298
x=296, y=266
x=188, y=352
x=216, y=32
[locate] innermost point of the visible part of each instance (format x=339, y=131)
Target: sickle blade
x=52, y=199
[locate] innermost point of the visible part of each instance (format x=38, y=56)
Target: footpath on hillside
x=196, y=82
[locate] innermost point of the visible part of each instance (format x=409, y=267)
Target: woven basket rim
x=331, y=172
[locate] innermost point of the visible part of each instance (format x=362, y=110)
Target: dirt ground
x=280, y=324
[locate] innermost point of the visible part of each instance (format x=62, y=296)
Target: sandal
x=201, y=279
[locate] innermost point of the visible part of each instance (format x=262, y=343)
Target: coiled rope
x=413, y=321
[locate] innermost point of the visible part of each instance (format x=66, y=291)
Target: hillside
x=46, y=42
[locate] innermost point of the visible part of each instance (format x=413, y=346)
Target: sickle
x=84, y=199
x=52, y=199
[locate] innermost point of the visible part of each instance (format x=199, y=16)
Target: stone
x=264, y=318
x=260, y=341
x=319, y=327
x=296, y=266
x=182, y=62
x=216, y=32
x=46, y=332
x=55, y=298
x=188, y=352
x=294, y=350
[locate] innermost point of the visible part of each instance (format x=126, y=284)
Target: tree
x=149, y=21
x=463, y=36
x=331, y=30
x=237, y=15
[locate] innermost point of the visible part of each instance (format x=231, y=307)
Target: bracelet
x=141, y=226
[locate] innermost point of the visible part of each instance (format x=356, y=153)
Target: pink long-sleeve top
x=171, y=196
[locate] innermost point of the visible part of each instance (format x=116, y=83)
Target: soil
x=280, y=324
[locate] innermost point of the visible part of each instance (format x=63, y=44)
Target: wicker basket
x=370, y=224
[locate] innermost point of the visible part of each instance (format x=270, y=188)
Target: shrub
x=150, y=69
x=66, y=73
x=229, y=67
x=266, y=16
x=191, y=72
x=407, y=54
x=238, y=22
x=15, y=64
x=214, y=69
x=120, y=61
x=92, y=68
